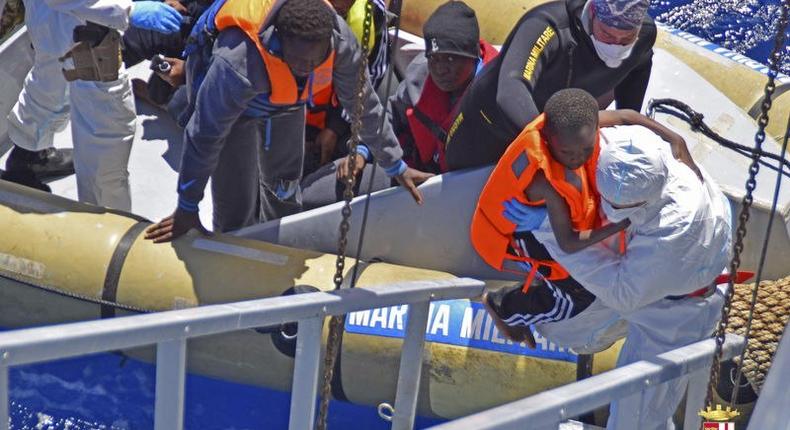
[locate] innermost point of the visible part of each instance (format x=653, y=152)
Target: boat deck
x=156, y=154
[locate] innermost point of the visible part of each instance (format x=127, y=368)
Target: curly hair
x=306, y=19
x=569, y=110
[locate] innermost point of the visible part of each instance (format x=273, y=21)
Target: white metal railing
x=626, y=384
x=170, y=330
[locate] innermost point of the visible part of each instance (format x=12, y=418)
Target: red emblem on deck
x=708, y=425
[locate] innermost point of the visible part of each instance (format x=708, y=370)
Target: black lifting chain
x=336, y=322
x=774, y=60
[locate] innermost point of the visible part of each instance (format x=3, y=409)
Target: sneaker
x=44, y=164
x=26, y=178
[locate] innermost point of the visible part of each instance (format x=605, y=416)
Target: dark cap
x=452, y=29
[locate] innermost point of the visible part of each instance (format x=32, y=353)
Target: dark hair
x=306, y=19
x=569, y=110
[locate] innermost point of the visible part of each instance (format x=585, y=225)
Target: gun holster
x=96, y=54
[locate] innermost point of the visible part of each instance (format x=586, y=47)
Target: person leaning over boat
x=601, y=46
x=660, y=291
x=84, y=82
x=247, y=128
x=424, y=103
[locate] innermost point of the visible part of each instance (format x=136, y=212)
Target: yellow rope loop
x=771, y=314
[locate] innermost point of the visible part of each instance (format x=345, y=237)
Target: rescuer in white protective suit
x=661, y=290
x=85, y=84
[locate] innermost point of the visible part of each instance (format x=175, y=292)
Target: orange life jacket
x=492, y=233
x=253, y=16
x=322, y=101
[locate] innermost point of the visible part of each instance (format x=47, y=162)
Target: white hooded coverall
x=678, y=242
x=102, y=113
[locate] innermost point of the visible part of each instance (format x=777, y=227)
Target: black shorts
x=544, y=301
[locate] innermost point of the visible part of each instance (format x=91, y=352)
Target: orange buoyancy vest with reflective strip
x=492, y=233
x=253, y=16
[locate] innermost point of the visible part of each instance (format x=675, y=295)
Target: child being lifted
x=549, y=170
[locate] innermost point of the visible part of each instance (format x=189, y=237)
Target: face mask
x=612, y=55
x=636, y=214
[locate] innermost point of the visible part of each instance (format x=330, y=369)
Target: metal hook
x=386, y=412
x=287, y=336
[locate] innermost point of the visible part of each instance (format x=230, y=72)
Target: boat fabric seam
x=110, y=288
x=73, y=295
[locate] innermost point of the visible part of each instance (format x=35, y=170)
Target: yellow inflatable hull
x=58, y=258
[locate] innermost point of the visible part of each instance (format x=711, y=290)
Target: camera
x=159, y=64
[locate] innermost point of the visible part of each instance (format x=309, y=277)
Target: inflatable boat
x=65, y=261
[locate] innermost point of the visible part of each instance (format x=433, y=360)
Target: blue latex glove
x=526, y=218
x=526, y=267
x=156, y=16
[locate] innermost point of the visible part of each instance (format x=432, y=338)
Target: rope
x=740, y=233
x=772, y=299
x=696, y=120
x=761, y=265
x=772, y=313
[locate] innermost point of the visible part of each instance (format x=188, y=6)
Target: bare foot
x=515, y=333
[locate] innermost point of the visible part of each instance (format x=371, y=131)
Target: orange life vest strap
x=556, y=271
